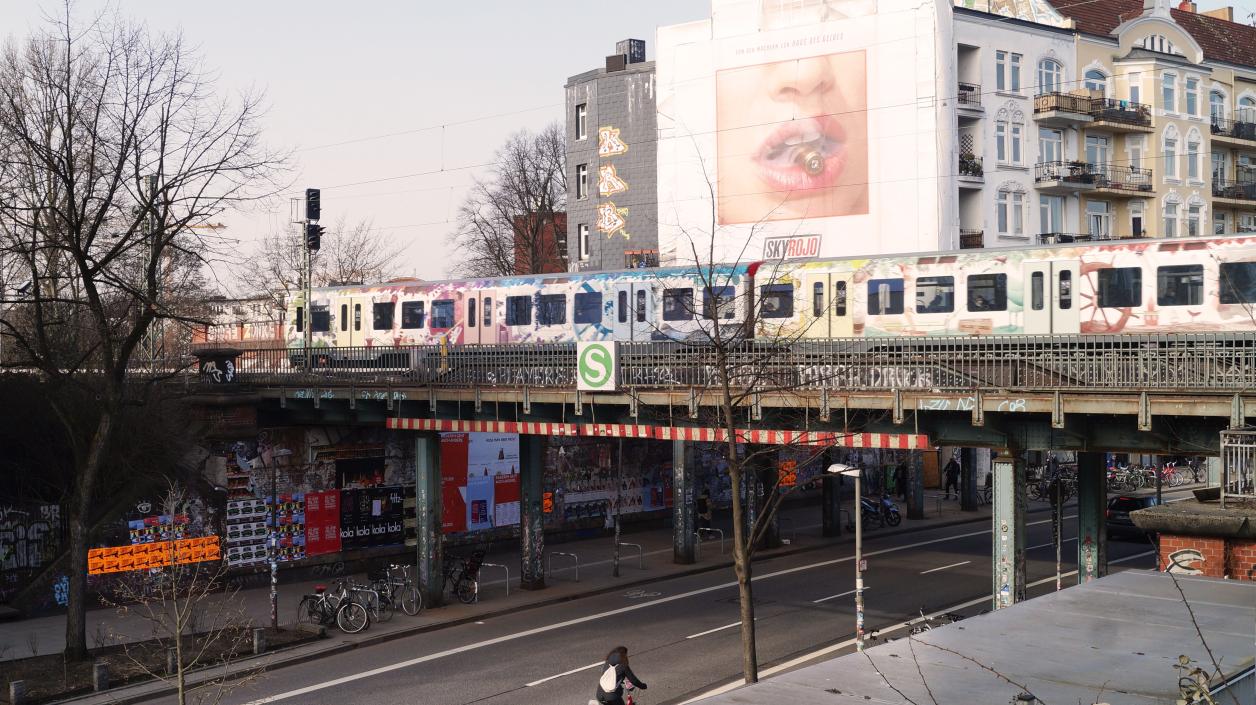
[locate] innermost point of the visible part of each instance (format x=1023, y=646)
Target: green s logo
x=595, y=366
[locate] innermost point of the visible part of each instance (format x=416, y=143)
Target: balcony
x=1238, y=193
x=971, y=239
x=968, y=100
x=1121, y=181
x=1234, y=132
x=1064, y=178
x=1063, y=238
x=971, y=171
x=1062, y=109
x=1120, y=115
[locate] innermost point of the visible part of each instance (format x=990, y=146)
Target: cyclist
x=610, y=687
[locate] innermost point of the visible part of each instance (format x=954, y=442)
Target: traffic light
x=313, y=206
x=313, y=236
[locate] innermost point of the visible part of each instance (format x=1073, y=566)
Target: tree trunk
x=745, y=593
x=80, y=517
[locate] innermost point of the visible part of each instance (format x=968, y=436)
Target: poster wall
x=479, y=480
x=813, y=123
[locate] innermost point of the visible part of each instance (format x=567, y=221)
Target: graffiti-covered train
x=1137, y=286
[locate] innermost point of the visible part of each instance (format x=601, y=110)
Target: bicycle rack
x=574, y=558
x=493, y=565
x=640, y=553
x=700, y=534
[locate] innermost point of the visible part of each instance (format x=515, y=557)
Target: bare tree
x=514, y=222
x=350, y=253
x=113, y=147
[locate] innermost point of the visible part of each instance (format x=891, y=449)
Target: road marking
x=593, y=617
x=953, y=565
x=1046, y=545
x=769, y=672
x=717, y=629
x=564, y=673
x=834, y=597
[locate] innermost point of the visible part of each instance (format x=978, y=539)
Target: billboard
x=807, y=128
x=479, y=480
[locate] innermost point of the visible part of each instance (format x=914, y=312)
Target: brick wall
x=1222, y=557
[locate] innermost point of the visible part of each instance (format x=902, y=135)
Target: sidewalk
x=800, y=526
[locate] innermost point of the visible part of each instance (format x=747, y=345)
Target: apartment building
x=1103, y=120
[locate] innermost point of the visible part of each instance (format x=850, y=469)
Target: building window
x=1247, y=109
x=1050, y=145
x=1007, y=71
x=1008, y=138
x=1050, y=74
x=1098, y=219
x=1096, y=81
x=935, y=294
x=1096, y=149
x=1136, y=219
x=1192, y=96
x=1218, y=224
x=582, y=124
x=1000, y=141
x=1010, y=209
x=1120, y=287
x=1170, y=158
x=885, y=297
x=987, y=292
x=1135, y=147
x=1193, y=214
x=1180, y=285
x=1192, y=159
x=1216, y=106
x=582, y=240
x=1169, y=96
x=1018, y=131
x=1246, y=223
x=382, y=316
x=582, y=181
x=1050, y=214
x=1136, y=87
x=1170, y=220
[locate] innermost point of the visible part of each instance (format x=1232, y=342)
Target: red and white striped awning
x=894, y=441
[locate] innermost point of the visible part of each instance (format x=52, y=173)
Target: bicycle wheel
x=352, y=617
x=1034, y=491
x=893, y=518
x=308, y=611
x=411, y=600
x=384, y=608
x=467, y=592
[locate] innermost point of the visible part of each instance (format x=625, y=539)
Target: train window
x=1180, y=285
x=518, y=310
x=357, y=316
x=300, y=320
x=412, y=314
x=817, y=299
x=987, y=292
x=622, y=316
x=935, y=294
x=839, y=298
x=1036, y=300
x=1238, y=283
x=488, y=310
x=471, y=317
x=1066, y=290
x=1120, y=287
x=551, y=309
x=320, y=319
x=776, y=301
x=443, y=313
x=640, y=305
x=344, y=316
x=885, y=297
x=382, y=316
x=588, y=307
x=719, y=302
x=677, y=304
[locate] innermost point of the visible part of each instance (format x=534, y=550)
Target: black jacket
x=622, y=672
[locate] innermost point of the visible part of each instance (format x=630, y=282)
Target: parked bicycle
x=325, y=609
x=462, y=575
x=396, y=587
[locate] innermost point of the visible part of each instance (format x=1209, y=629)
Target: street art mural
x=30, y=539
x=608, y=181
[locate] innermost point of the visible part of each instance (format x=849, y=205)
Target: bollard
x=17, y=692
x=172, y=661
x=100, y=676
x=259, y=640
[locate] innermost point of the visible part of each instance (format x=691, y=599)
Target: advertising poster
x=322, y=522
x=479, y=480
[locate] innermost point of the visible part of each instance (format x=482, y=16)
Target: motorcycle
x=882, y=511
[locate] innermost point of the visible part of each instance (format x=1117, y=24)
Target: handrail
x=549, y=566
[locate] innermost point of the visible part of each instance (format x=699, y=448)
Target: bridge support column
x=532, y=512
x=915, y=487
x=683, y=505
x=765, y=470
x=428, y=515
x=1009, y=530
x=830, y=504
x=1092, y=505
x=968, y=480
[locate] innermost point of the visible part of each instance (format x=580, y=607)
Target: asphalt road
x=683, y=634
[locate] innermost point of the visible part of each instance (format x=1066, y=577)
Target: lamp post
x=848, y=471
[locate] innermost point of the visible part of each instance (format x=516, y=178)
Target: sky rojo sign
x=595, y=367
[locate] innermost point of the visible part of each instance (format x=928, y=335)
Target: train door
x=348, y=324
x=817, y=305
x=1050, y=300
x=632, y=318
x=481, y=323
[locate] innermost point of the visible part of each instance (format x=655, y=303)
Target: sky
x=351, y=86
x=392, y=108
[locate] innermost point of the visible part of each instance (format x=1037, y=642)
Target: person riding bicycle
x=610, y=687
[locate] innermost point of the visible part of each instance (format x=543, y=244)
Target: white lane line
x=717, y=629
x=953, y=565
x=1047, y=545
x=769, y=672
x=593, y=617
x=834, y=597
x=564, y=673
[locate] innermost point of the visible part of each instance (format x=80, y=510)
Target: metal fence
x=1238, y=465
x=1188, y=362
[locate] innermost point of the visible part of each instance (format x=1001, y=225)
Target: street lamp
x=848, y=471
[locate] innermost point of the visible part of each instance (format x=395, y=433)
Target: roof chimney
x=1221, y=13
x=1156, y=8
x=1187, y=6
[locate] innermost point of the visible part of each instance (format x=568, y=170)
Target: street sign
x=863, y=565
x=595, y=367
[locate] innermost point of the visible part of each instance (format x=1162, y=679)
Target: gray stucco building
x=612, y=199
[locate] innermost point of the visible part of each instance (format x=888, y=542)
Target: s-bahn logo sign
x=595, y=367
x=791, y=247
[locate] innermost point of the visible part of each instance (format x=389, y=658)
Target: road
x=682, y=633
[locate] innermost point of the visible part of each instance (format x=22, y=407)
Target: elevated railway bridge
x=1165, y=394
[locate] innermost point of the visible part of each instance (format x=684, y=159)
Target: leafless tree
x=350, y=253
x=514, y=221
x=113, y=147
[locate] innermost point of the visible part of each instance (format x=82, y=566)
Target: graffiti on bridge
x=30, y=538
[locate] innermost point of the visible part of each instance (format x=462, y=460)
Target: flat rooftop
x=1114, y=640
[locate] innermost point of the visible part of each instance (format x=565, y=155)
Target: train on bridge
x=1205, y=284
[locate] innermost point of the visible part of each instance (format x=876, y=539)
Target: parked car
x=1118, y=520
